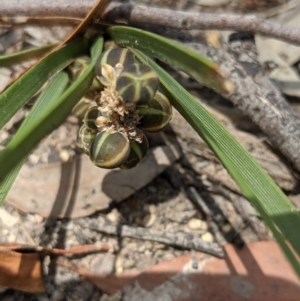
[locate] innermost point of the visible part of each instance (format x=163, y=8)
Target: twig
x=182, y=240
x=43, y=8
x=136, y=14
x=200, y=203
x=187, y=21
x=76, y=250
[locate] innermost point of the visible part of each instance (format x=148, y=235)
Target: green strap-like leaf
x=24, y=55
x=55, y=88
x=16, y=95
x=197, y=66
x=275, y=208
x=47, y=120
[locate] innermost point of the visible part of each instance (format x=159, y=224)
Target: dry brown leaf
x=21, y=271
x=86, y=188
x=98, y=9
x=252, y=273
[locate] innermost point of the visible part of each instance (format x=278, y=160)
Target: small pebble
x=148, y=253
x=113, y=216
x=119, y=265
x=3, y=135
x=152, y=208
x=149, y=220
x=129, y=263
x=203, y=177
x=35, y=218
x=64, y=155
x=226, y=228
x=7, y=219
x=197, y=224
x=142, y=249
x=33, y=159
x=207, y=237
x=11, y=237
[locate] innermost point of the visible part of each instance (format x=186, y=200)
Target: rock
x=114, y=216
x=86, y=188
x=119, y=265
x=7, y=219
x=207, y=237
x=197, y=224
x=152, y=208
x=64, y=155
x=226, y=228
x=148, y=220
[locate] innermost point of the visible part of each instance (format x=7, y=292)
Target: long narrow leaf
x=24, y=55
x=16, y=95
x=197, y=66
x=49, y=119
x=274, y=207
x=55, y=88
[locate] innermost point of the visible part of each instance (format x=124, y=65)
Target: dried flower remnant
x=128, y=104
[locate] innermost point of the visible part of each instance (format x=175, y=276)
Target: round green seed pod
x=137, y=153
x=77, y=68
x=85, y=137
x=112, y=57
x=157, y=115
x=137, y=84
x=90, y=117
x=109, y=150
x=81, y=107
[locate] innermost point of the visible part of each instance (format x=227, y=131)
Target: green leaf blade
x=274, y=207
x=16, y=95
x=175, y=54
x=47, y=120
x=23, y=55
x=51, y=93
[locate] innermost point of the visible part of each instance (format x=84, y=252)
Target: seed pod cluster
x=113, y=130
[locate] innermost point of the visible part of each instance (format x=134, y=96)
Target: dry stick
x=187, y=21
x=179, y=239
x=12, y=8
x=76, y=250
x=259, y=99
x=199, y=202
x=154, y=16
x=247, y=212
